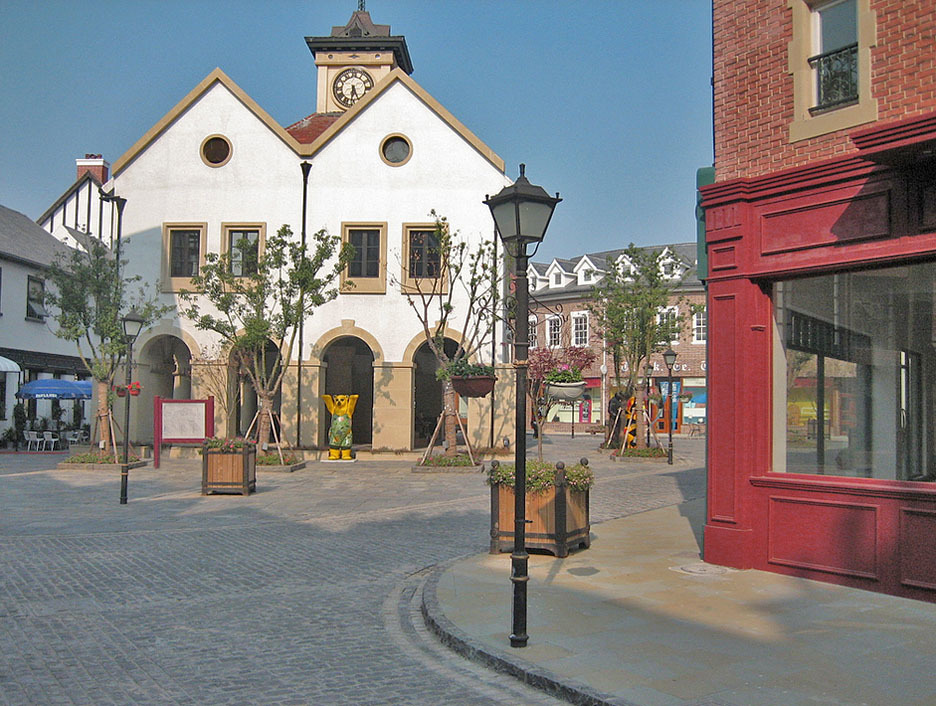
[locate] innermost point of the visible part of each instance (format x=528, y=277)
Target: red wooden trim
x=871, y=487
x=898, y=141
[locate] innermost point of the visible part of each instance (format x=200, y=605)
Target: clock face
x=351, y=85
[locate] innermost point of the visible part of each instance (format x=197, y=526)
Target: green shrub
x=225, y=444
x=457, y=460
x=651, y=452
x=273, y=459
x=462, y=368
x=540, y=476
x=99, y=456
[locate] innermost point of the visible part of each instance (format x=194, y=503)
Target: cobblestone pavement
x=303, y=593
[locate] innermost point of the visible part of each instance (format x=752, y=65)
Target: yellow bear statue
x=341, y=408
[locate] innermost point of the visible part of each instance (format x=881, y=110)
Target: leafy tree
x=541, y=362
x=626, y=305
x=455, y=271
x=261, y=298
x=88, y=298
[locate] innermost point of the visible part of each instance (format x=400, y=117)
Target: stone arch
x=164, y=367
x=427, y=389
x=348, y=369
x=347, y=328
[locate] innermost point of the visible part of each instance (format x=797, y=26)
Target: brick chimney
x=95, y=165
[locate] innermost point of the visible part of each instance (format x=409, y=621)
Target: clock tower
x=353, y=59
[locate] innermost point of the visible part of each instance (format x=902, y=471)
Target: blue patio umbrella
x=55, y=389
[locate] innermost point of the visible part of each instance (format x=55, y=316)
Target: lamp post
x=669, y=357
x=521, y=214
x=306, y=167
x=648, y=371
x=132, y=325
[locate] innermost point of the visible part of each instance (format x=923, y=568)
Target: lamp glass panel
x=505, y=217
x=534, y=217
x=132, y=325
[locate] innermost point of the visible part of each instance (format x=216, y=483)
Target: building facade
x=29, y=350
x=560, y=293
x=217, y=172
x=821, y=244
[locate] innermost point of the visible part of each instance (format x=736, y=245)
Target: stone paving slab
x=633, y=621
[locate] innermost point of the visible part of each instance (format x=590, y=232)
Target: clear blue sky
x=607, y=102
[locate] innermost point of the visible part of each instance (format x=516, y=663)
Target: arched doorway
x=245, y=401
x=164, y=367
x=427, y=392
x=349, y=370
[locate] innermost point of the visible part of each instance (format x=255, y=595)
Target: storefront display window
x=854, y=361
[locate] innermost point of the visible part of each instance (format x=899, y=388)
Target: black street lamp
x=521, y=214
x=306, y=167
x=669, y=357
x=132, y=325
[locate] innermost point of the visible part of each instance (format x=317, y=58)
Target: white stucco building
x=217, y=168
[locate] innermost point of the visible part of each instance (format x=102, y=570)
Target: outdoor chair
x=49, y=439
x=73, y=437
x=32, y=437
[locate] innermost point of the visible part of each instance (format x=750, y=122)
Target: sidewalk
x=639, y=619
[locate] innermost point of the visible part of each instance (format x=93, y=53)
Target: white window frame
x=666, y=311
x=554, y=332
x=700, y=323
x=577, y=317
x=531, y=332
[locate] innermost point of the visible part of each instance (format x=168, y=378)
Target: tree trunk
x=263, y=423
x=451, y=409
x=103, y=420
x=641, y=416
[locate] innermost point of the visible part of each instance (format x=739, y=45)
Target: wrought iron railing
x=836, y=77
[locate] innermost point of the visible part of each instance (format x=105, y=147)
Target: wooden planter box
x=226, y=472
x=557, y=520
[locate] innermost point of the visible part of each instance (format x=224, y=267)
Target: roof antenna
x=360, y=6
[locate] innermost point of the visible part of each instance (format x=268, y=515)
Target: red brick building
x=560, y=317
x=821, y=245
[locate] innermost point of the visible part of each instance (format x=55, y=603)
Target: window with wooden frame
x=423, y=266
x=183, y=254
x=366, y=272
x=244, y=242
x=531, y=331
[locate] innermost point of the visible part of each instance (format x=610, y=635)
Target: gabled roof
x=79, y=182
x=309, y=127
x=21, y=239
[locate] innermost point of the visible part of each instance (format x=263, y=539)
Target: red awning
x=592, y=382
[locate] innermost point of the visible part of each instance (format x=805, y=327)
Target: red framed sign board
x=181, y=422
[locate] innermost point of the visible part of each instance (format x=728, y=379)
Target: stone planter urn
x=565, y=391
x=473, y=385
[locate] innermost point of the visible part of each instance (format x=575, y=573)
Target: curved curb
x=527, y=672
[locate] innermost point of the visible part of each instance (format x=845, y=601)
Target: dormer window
x=557, y=278
x=586, y=275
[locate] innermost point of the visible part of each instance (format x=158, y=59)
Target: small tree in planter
x=556, y=506
x=434, y=275
x=19, y=420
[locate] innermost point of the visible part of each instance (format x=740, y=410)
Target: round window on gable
x=395, y=150
x=216, y=151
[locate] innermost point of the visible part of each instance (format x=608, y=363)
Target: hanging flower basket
x=473, y=385
x=134, y=389
x=566, y=391
x=121, y=391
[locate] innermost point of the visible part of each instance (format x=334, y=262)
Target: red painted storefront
x=835, y=220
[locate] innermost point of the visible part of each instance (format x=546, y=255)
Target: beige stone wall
x=311, y=402
x=501, y=404
x=393, y=405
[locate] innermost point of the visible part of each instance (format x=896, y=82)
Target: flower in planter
x=228, y=445
x=540, y=476
x=564, y=373
x=134, y=388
